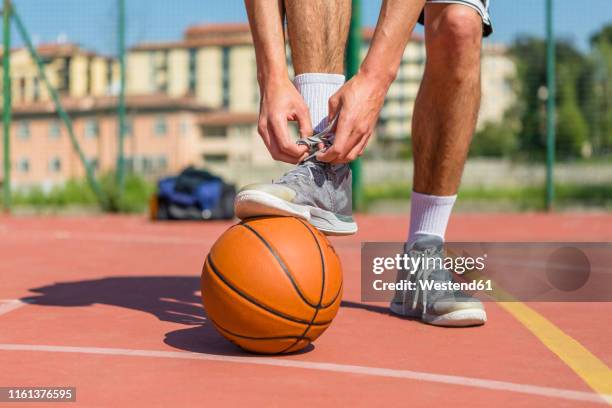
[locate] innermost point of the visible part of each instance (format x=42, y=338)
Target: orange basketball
x=272, y=284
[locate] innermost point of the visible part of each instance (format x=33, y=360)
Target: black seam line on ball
x=282, y=265
x=321, y=304
x=318, y=307
x=244, y=223
x=242, y=336
x=255, y=302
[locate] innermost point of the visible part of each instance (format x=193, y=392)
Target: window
x=162, y=163
x=193, y=66
x=63, y=73
x=54, y=130
x=225, y=62
x=160, y=127
x=94, y=163
x=36, y=88
x=92, y=129
x=214, y=131
x=129, y=127
x=55, y=165
x=215, y=158
x=185, y=128
x=22, y=88
x=23, y=129
x=147, y=164
x=129, y=164
x=23, y=165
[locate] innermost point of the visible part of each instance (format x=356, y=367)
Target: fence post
x=353, y=61
x=7, y=105
x=550, y=106
x=121, y=105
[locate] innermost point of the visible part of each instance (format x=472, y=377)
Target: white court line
x=330, y=367
x=8, y=305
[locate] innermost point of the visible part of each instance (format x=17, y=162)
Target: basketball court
x=111, y=306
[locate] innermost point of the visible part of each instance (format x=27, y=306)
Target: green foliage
x=572, y=129
x=495, y=140
x=573, y=75
x=524, y=198
x=78, y=193
x=135, y=195
x=601, y=96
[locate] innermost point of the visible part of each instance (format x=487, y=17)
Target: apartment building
x=160, y=138
x=192, y=101
x=72, y=70
x=215, y=64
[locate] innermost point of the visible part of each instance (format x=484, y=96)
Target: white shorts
x=481, y=6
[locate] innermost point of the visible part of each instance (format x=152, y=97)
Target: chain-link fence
x=192, y=100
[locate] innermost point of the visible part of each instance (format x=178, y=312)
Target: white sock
x=316, y=89
x=429, y=215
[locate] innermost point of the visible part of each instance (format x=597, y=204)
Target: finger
x=358, y=149
x=343, y=130
x=357, y=135
x=305, y=125
x=280, y=156
x=279, y=135
x=275, y=152
x=262, y=129
x=333, y=107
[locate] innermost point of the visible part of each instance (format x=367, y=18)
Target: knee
x=456, y=35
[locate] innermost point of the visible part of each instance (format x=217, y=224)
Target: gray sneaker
x=315, y=191
x=437, y=307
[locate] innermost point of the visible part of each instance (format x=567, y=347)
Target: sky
x=92, y=23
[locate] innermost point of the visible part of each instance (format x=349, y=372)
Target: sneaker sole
x=458, y=318
x=252, y=203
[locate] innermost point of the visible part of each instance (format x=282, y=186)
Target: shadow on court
x=173, y=299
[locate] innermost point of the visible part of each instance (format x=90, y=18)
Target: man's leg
x=315, y=191
x=444, y=120
x=445, y=113
x=318, y=31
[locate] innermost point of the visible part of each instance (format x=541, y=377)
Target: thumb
x=304, y=123
x=333, y=106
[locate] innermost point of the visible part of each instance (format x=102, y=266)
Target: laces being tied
x=325, y=136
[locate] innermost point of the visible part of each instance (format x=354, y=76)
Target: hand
x=281, y=102
x=358, y=104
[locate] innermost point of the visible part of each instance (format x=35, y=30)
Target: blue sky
x=92, y=22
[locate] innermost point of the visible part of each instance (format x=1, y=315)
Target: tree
x=601, y=97
x=572, y=65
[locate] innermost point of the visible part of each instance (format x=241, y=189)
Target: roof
x=223, y=118
x=224, y=34
x=59, y=50
x=213, y=29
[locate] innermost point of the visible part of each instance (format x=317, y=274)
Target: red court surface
x=111, y=306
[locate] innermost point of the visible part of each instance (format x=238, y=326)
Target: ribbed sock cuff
x=316, y=89
x=429, y=215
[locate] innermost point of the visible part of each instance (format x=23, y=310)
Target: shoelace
x=313, y=141
x=422, y=273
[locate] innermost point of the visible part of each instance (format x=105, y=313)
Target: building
x=395, y=121
x=159, y=137
x=71, y=70
x=193, y=101
x=215, y=64
x=499, y=73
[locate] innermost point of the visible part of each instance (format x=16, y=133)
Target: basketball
x=272, y=284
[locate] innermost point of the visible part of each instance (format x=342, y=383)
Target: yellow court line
x=588, y=367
